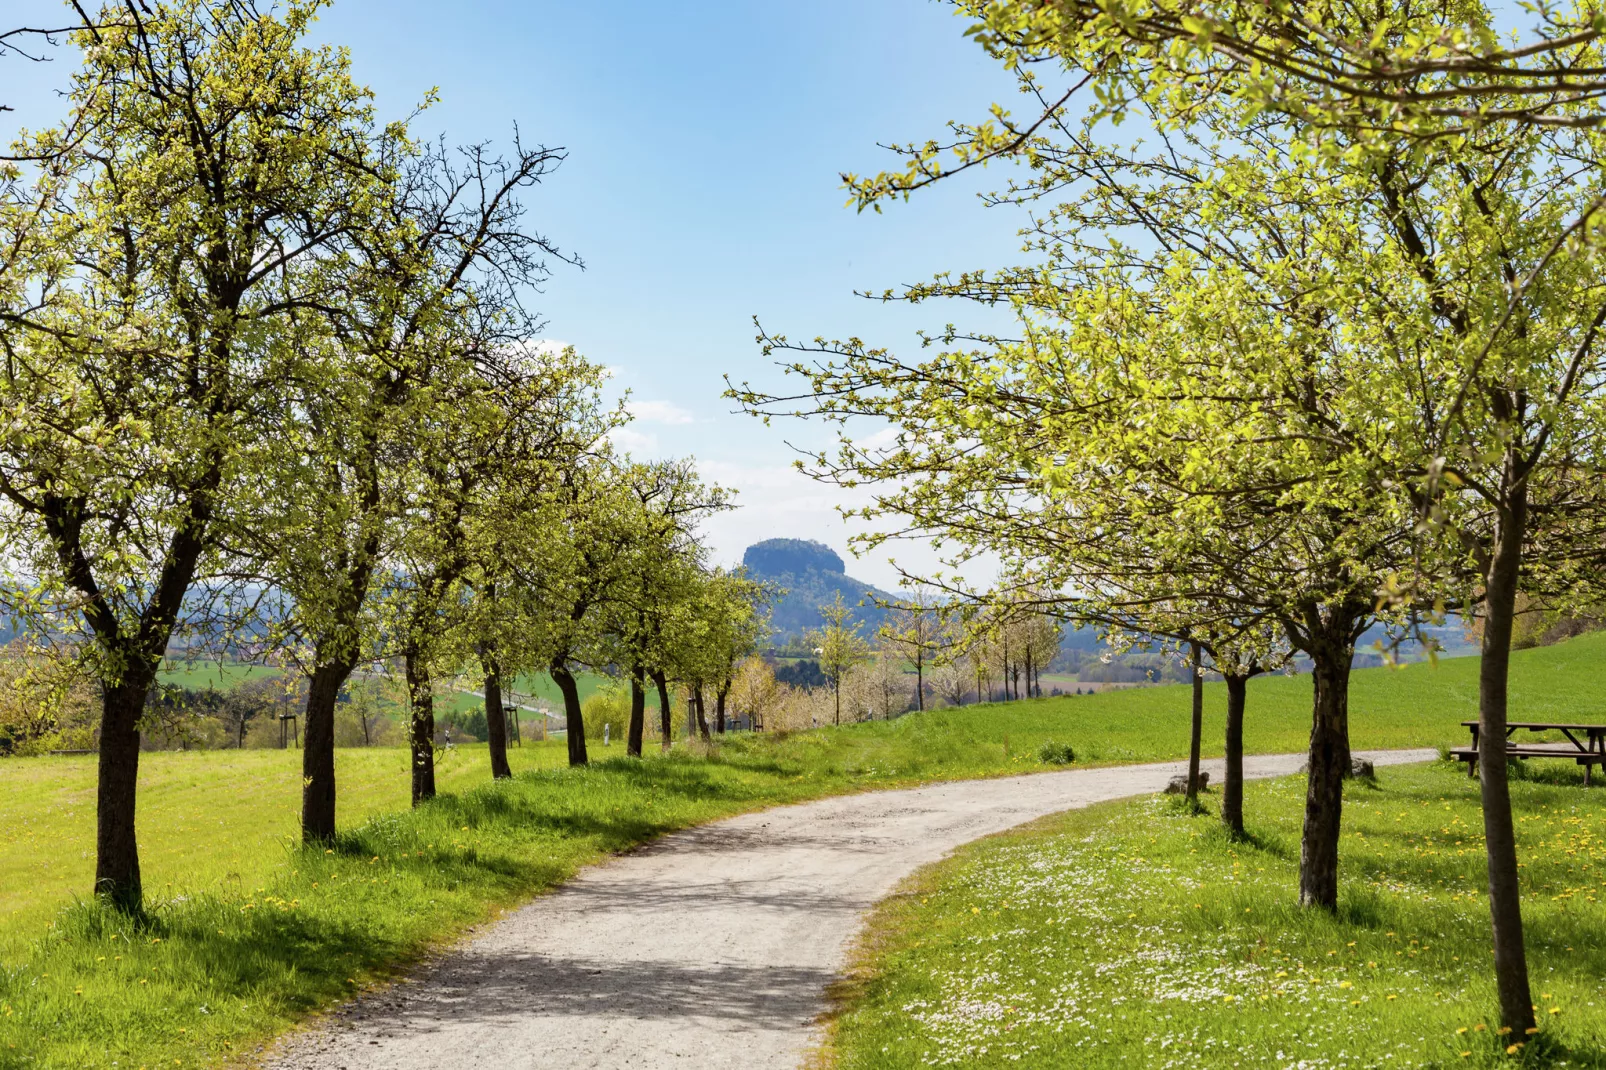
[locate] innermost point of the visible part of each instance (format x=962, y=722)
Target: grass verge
x=1130, y=934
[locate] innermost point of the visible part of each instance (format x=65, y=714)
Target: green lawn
x=259, y=932
x=200, y=675
x=206, y=818
x=1131, y=934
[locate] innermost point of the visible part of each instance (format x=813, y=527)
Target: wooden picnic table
x=1586, y=744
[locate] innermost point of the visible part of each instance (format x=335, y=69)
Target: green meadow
x=1136, y=934
x=249, y=932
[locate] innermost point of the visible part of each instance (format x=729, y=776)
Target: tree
x=1415, y=70
x=915, y=630
x=952, y=680
x=838, y=645
x=171, y=244
x=1465, y=280
x=755, y=690
x=1156, y=410
x=887, y=682
x=661, y=579
x=429, y=311
x=24, y=41
x=731, y=609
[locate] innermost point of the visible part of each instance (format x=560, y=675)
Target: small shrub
x=1056, y=753
x=609, y=706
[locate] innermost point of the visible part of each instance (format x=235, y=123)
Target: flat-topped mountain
x=813, y=575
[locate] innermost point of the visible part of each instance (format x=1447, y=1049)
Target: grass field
x=1131, y=934
x=200, y=675
x=259, y=932
x=206, y=818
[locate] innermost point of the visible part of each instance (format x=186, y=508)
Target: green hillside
x=1415, y=705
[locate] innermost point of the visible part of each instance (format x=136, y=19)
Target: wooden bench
x=1586, y=745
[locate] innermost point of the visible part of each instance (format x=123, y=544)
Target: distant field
x=200, y=675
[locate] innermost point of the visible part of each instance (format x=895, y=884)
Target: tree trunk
x=719, y=705
x=1196, y=728
x=495, y=718
x=1232, y=788
x=1505, y=906
x=116, y=848
x=1329, y=765
x=665, y=720
x=318, y=753
x=572, y=716
x=421, y=696
x=836, y=689
x=1028, y=671
x=920, y=679
x=638, y=714
x=701, y=712
x=1004, y=664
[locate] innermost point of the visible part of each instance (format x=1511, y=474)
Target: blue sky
x=702, y=189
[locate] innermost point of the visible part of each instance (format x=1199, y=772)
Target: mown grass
x=1131, y=934
x=248, y=932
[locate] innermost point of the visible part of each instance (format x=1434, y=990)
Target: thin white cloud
x=778, y=501
x=635, y=442
x=660, y=412
x=879, y=440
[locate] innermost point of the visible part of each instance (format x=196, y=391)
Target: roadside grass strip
x=1133, y=935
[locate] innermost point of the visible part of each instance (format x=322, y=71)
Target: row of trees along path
x=270, y=376
x=1319, y=351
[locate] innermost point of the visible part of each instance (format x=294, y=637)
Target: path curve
x=709, y=948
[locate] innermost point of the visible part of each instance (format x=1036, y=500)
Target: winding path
x=709, y=948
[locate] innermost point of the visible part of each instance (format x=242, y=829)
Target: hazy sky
x=702, y=189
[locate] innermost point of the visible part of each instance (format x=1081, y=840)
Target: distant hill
x=813, y=575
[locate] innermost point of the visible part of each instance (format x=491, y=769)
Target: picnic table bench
x=1586, y=744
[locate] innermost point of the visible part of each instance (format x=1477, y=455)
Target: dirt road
x=711, y=948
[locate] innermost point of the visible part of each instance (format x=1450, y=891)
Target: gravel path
x=710, y=948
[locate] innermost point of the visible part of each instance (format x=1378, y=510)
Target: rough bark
x=638, y=714
x=1232, y=787
x=701, y=713
x=318, y=752
x=665, y=720
x=1196, y=727
x=1505, y=907
x=571, y=712
x=495, y=718
x=1329, y=765
x=421, y=697
x=920, y=680
x=116, y=848
x=719, y=705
